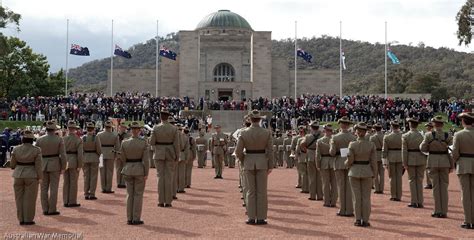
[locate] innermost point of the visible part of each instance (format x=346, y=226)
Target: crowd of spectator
x=287, y=112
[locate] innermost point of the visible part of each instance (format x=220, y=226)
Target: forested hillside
x=442, y=72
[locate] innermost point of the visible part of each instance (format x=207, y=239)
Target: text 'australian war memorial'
x=229, y=131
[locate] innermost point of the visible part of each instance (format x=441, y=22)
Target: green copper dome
x=224, y=19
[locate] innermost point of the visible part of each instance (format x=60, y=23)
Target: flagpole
x=157, y=60
x=385, y=56
x=340, y=59
x=67, y=52
x=296, y=64
x=112, y=61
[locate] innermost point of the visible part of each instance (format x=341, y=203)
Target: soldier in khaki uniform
x=123, y=134
x=325, y=164
x=338, y=142
x=294, y=153
x=218, y=149
x=92, y=151
x=258, y=164
x=242, y=181
x=110, y=145
x=308, y=144
x=136, y=164
x=440, y=164
x=26, y=162
x=202, y=147
x=75, y=154
x=278, y=146
x=54, y=163
x=362, y=163
x=463, y=156
x=180, y=177
x=392, y=157
x=302, y=159
x=287, y=150
x=191, y=158
x=377, y=139
x=209, y=143
x=166, y=143
x=414, y=162
x=429, y=185
x=230, y=151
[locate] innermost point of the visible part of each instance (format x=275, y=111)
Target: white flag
x=343, y=59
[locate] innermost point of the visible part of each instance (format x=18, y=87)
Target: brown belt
x=70, y=152
x=108, y=145
x=50, y=156
x=466, y=155
x=25, y=163
x=92, y=151
x=164, y=143
x=133, y=160
x=394, y=149
x=362, y=162
x=413, y=150
x=325, y=155
x=312, y=149
x=254, y=151
x=438, y=152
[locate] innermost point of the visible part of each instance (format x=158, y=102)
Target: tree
x=424, y=83
x=464, y=20
x=22, y=71
x=7, y=17
x=398, y=80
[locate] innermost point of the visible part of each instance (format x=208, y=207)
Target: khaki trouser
x=118, y=171
x=135, y=188
x=106, y=175
x=218, y=164
x=181, y=176
x=201, y=156
x=440, y=180
x=467, y=188
x=279, y=154
x=256, y=196
x=49, y=191
x=361, y=190
x=344, y=192
x=428, y=180
x=329, y=186
x=415, y=178
x=314, y=178
x=165, y=171
x=303, y=173
x=90, y=171
x=189, y=171
x=288, y=160
x=231, y=161
x=26, y=192
x=379, y=180
x=395, y=175
x=71, y=176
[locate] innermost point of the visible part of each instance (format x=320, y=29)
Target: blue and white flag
x=78, y=50
x=305, y=55
x=167, y=53
x=343, y=60
x=119, y=52
x=392, y=57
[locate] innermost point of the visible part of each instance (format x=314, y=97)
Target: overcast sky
x=43, y=24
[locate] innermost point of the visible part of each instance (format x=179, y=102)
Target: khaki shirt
x=135, y=149
x=362, y=158
x=463, y=143
x=52, y=145
x=300, y=155
x=257, y=139
x=278, y=144
x=165, y=141
x=310, y=149
x=377, y=139
x=26, y=153
x=201, y=141
x=218, y=143
x=392, y=148
x=184, y=144
x=92, y=148
x=192, y=149
x=411, y=154
x=110, y=144
x=74, y=151
x=437, y=149
x=338, y=141
x=324, y=160
x=287, y=142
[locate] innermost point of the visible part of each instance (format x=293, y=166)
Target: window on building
x=242, y=95
x=224, y=72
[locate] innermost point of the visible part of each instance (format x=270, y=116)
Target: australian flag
x=167, y=53
x=78, y=50
x=305, y=55
x=119, y=52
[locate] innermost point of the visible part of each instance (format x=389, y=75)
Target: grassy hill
x=442, y=72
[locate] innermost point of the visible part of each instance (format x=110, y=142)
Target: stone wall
x=188, y=64
x=262, y=65
x=314, y=82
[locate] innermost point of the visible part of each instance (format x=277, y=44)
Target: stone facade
x=225, y=59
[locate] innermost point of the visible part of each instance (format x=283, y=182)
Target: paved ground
x=212, y=209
